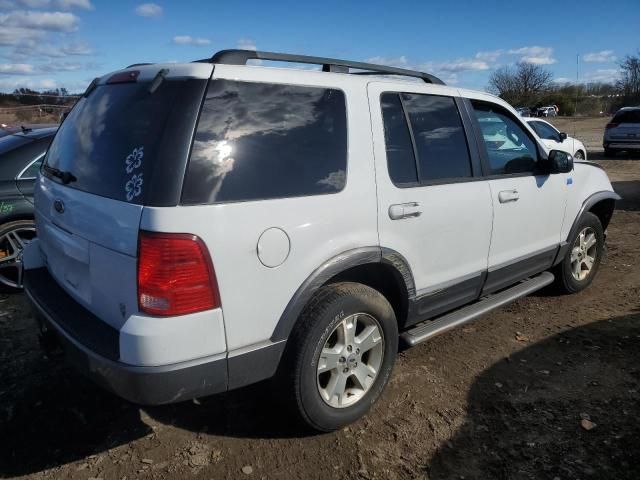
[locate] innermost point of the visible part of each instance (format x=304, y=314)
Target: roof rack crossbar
x=241, y=57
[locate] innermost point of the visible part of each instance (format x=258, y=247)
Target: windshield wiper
x=65, y=177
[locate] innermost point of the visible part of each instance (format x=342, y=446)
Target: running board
x=430, y=328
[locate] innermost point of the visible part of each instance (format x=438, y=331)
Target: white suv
x=207, y=225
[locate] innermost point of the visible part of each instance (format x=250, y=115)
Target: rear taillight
x=175, y=275
x=611, y=125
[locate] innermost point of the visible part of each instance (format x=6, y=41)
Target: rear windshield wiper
x=65, y=177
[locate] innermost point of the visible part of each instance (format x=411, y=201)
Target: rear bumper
x=86, y=341
x=622, y=145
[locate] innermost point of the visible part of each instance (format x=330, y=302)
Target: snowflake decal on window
x=134, y=159
x=133, y=188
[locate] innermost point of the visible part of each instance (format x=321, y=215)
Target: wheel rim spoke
x=329, y=360
x=336, y=388
x=368, y=339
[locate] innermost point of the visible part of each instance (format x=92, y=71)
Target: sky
x=66, y=43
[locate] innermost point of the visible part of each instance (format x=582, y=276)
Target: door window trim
x=474, y=157
x=20, y=177
x=482, y=148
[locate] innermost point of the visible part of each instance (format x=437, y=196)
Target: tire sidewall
x=318, y=412
x=571, y=284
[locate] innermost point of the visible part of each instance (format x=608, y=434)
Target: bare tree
x=629, y=83
x=522, y=84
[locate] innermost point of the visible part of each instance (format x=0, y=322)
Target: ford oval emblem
x=58, y=205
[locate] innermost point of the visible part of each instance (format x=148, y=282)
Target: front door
x=528, y=204
x=432, y=209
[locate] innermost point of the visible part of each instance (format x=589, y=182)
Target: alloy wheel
x=583, y=253
x=12, y=244
x=350, y=360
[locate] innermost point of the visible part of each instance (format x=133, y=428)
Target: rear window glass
x=110, y=140
x=259, y=141
x=630, y=116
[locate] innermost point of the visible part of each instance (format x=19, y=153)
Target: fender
x=329, y=269
x=586, y=206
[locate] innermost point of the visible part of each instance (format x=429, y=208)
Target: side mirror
x=560, y=162
x=563, y=136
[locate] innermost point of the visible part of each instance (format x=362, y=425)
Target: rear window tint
x=629, y=116
x=259, y=141
x=111, y=141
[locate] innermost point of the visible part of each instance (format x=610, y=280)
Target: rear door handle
x=506, y=196
x=404, y=210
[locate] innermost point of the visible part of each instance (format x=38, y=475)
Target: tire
x=579, y=155
x=572, y=274
x=13, y=237
x=322, y=327
x=608, y=152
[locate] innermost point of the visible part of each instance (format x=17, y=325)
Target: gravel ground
x=546, y=388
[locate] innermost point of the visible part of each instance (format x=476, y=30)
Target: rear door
x=433, y=209
x=121, y=147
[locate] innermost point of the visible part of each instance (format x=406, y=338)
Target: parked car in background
x=21, y=155
x=189, y=241
x=547, y=112
x=557, y=140
x=623, y=131
x=25, y=127
x=524, y=111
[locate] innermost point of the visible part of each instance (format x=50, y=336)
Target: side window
x=432, y=147
x=545, y=131
x=259, y=140
x=401, y=161
x=441, y=144
x=509, y=147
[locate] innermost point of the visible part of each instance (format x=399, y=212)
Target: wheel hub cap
x=350, y=360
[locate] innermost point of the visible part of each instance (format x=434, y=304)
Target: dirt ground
x=501, y=398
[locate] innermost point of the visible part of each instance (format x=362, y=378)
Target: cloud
x=398, y=62
x=189, y=40
x=9, y=84
x=490, y=56
x=246, y=44
x=461, y=65
x=600, y=57
x=40, y=21
x=69, y=4
x=16, y=68
x=149, y=10
x=64, y=4
x=535, y=55
x=604, y=75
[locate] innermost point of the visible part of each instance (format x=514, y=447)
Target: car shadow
x=599, y=155
x=566, y=407
x=52, y=416
x=630, y=193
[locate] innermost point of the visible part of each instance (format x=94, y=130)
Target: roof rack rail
x=241, y=57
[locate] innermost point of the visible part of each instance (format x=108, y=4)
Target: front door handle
x=506, y=196
x=404, y=210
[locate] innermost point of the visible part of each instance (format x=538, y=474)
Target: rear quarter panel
x=319, y=227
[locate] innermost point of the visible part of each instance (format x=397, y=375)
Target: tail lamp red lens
x=175, y=275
